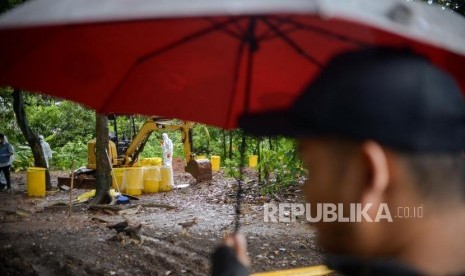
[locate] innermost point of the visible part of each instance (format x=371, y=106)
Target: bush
x=23, y=158
x=72, y=151
x=280, y=166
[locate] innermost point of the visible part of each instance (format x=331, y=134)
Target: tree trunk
x=259, y=159
x=103, y=173
x=31, y=137
x=224, y=144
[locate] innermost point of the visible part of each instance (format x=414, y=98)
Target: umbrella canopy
x=206, y=61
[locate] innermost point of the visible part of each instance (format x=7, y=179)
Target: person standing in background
x=45, y=149
x=167, y=146
x=6, y=152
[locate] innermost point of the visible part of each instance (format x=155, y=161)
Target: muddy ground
x=39, y=237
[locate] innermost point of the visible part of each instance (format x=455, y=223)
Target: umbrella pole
x=237, y=222
x=252, y=42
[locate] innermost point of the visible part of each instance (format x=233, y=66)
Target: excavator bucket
x=200, y=169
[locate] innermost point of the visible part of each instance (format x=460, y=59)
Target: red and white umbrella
x=206, y=61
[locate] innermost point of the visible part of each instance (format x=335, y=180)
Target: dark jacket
x=5, y=152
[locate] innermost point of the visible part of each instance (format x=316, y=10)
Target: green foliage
x=8, y=124
x=280, y=166
x=455, y=5
x=72, y=151
x=60, y=121
x=23, y=158
x=231, y=168
x=64, y=124
x=279, y=163
x=202, y=139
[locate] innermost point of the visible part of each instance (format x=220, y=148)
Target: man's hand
x=239, y=244
x=230, y=258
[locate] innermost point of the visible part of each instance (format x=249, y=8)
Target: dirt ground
x=38, y=237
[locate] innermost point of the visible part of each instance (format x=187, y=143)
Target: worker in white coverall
x=45, y=149
x=167, y=146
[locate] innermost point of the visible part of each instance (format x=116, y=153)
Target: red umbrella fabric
x=206, y=61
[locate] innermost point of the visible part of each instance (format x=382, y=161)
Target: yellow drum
x=118, y=178
x=166, y=183
x=154, y=161
x=253, y=161
x=216, y=160
x=133, y=181
x=152, y=179
x=36, y=181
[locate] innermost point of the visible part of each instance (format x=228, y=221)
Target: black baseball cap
x=392, y=96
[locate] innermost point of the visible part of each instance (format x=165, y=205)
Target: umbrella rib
x=227, y=31
x=270, y=35
x=322, y=31
x=237, y=66
x=184, y=40
x=292, y=43
x=153, y=54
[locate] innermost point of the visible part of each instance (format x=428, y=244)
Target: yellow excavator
x=129, y=152
x=125, y=153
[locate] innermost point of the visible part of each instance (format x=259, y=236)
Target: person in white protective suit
x=45, y=149
x=167, y=146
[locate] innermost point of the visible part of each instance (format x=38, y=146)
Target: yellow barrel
x=156, y=161
x=166, y=183
x=253, y=161
x=119, y=173
x=216, y=160
x=36, y=181
x=152, y=179
x=143, y=162
x=133, y=181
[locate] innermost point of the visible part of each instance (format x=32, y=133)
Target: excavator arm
x=138, y=143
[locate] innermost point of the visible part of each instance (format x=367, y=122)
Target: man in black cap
x=381, y=128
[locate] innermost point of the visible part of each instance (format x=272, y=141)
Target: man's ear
x=377, y=178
